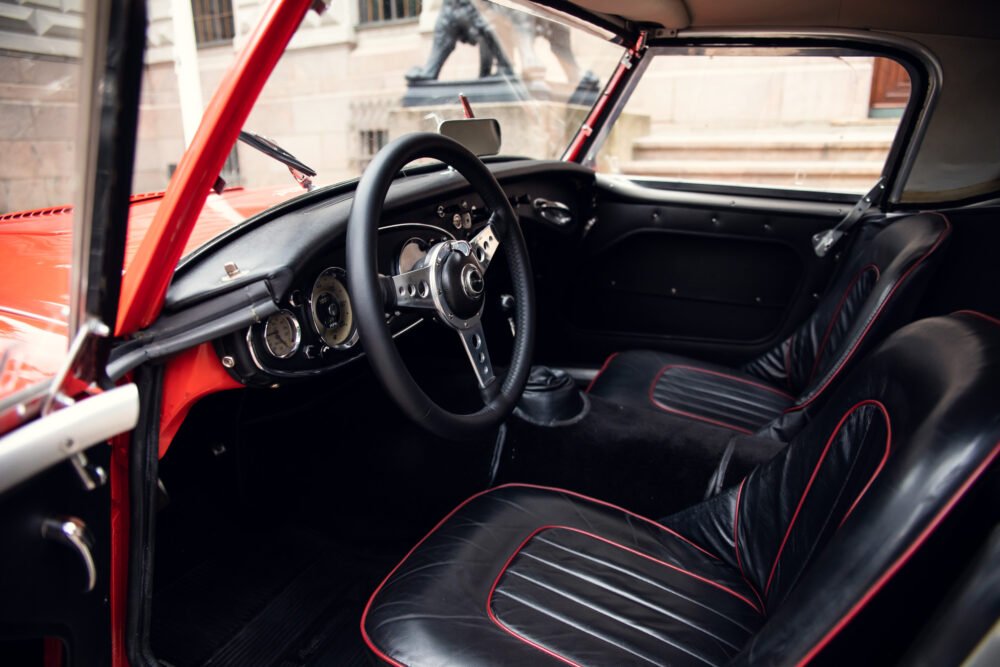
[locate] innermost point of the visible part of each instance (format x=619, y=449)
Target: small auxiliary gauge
x=282, y=334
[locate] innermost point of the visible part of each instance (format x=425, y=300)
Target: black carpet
x=293, y=599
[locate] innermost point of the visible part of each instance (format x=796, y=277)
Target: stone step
x=853, y=144
x=842, y=175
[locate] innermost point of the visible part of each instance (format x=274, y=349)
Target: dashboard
x=314, y=331
x=295, y=253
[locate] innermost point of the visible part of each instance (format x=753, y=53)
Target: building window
x=377, y=11
x=371, y=142
x=213, y=21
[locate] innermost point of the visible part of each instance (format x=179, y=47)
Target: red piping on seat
x=709, y=420
x=836, y=314
x=843, y=361
x=815, y=472
x=600, y=372
x=878, y=470
x=496, y=582
x=902, y=560
x=364, y=615
x=976, y=313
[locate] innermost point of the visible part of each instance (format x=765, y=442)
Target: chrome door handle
x=73, y=533
x=555, y=212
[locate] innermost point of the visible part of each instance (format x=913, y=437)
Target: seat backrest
x=873, y=293
x=824, y=524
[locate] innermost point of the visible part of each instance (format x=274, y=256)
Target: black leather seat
x=769, y=572
x=874, y=293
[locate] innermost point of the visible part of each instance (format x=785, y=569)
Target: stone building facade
x=332, y=98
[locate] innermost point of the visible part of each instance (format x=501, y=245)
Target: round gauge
x=331, y=310
x=410, y=255
x=282, y=334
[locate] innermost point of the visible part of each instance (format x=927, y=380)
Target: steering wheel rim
x=371, y=293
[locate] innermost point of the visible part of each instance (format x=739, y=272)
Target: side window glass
x=819, y=123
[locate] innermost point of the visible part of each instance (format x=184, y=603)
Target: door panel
x=712, y=275
x=44, y=579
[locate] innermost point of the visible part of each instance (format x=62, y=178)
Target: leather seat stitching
x=565, y=621
x=717, y=401
x=606, y=612
x=642, y=578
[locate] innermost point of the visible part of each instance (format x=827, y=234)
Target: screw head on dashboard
x=228, y=361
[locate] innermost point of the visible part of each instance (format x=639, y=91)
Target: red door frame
x=144, y=285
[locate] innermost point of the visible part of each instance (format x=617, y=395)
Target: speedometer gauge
x=282, y=334
x=331, y=310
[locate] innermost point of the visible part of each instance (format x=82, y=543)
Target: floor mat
x=294, y=601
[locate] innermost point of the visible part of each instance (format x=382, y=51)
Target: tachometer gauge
x=282, y=334
x=331, y=310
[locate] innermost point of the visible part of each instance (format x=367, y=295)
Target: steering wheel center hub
x=461, y=280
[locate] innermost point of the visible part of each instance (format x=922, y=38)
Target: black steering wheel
x=448, y=283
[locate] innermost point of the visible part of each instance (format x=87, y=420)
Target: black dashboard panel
x=291, y=247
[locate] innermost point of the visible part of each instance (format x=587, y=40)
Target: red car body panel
x=145, y=285
x=35, y=274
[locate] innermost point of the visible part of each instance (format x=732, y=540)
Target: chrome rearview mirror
x=479, y=135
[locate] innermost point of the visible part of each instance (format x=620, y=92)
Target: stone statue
x=461, y=21
x=527, y=27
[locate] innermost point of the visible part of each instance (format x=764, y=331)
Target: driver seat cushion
x=551, y=576
x=874, y=292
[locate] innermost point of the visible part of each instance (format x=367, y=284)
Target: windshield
x=358, y=76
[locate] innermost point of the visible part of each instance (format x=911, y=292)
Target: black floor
x=286, y=510
x=293, y=599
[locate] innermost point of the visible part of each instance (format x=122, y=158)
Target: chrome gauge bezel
x=341, y=276
x=296, y=344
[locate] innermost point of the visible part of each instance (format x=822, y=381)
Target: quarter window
x=816, y=122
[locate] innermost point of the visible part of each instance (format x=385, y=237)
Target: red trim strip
x=843, y=361
x=812, y=478
x=976, y=313
x=902, y=560
x=500, y=624
x=600, y=372
x=709, y=420
x=836, y=314
x=878, y=469
x=364, y=615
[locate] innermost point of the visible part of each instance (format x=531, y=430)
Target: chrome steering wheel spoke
x=485, y=244
x=412, y=289
x=474, y=341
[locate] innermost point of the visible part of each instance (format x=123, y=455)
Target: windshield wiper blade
x=302, y=173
